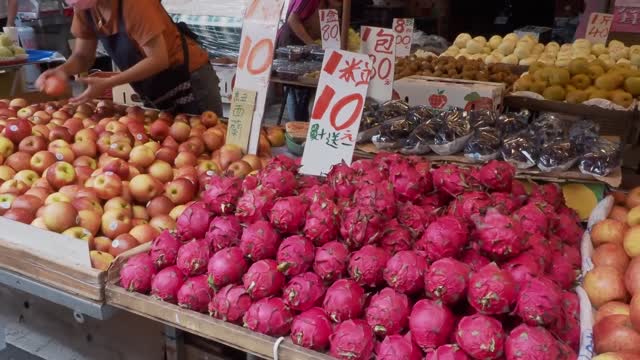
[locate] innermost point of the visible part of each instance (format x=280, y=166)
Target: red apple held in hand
x=161, y=170
x=85, y=161
x=107, y=186
x=141, y=156
x=186, y=159
x=90, y=220
x=28, y=177
x=6, y=147
x=56, y=86
x=144, y=233
x=163, y=222
x=115, y=222
x=180, y=131
x=13, y=186
x=18, y=161
x=144, y=188
x=180, y=191
x=19, y=215
x=167, y=155
x=41, y=160
x=59, y=216
x=32, y=144
x=122, y=243
x=60, y=174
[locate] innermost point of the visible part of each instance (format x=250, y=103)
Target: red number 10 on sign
x=250, y=54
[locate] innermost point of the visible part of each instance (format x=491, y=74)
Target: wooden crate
x=198, y=324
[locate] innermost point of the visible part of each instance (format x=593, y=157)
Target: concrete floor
x=13, y=353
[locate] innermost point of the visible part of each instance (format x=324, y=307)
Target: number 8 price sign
x=403, y=29
x=337, y=111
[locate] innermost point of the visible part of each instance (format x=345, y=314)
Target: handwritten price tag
x=337, y=110
x=330, y=28
x=598, y=27
x=380, y=45
x=242, y=107
x=404, y=36
x=626, y=16
x=256, y=57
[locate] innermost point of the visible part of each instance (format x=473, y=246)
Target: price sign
x=379, y=44
x=626, y=16
x=337, y=110
x=243, y=105
x=404, y=36
x=330, y=28
x=256, y=57
x=598, y=27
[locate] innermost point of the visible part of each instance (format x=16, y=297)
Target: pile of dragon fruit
x=388, y=258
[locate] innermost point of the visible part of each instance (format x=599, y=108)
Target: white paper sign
x=404, y=36
x=379, y=44
x=330, y=28
x=598, y=27
x=337, y=110
x=257, y=44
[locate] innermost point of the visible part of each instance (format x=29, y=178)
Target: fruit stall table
x=12, y=74
x=287, y=86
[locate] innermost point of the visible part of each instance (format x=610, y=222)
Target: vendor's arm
x=81, y=60
x=12, y=12
x=295, y=24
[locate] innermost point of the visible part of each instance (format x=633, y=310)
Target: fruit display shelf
x=199, y=324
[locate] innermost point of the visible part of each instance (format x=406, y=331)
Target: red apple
x=60, y=174
x=85, y=148
x=6, y=147
x=90, y=220
x=118, y=203
x=86, y=161
x=212, y=140
x=122, y=243
x=180, y=131
x=25, y=113
x=39, y=192
x=28, y=177
x=57, y=197
x=87, y=203
x=74, y=125
x=161, y=170
x=13, y=186
x=101, y=243
x=170, y=143
x=159, y=205
x=6, y=201
x=144, y=233
x=209, y=119
x=20, y=215
x=41, y=130
x=32, y=144
x=167, y=155
x=60, y=133
x=163, y=222
x=59, y=216
x=141, y=156
x=115, y=222
x=18, y=161
x=86, y=135
x=186, y=159
x=6, y=173
x=41, y=117
x=41, y=160
x=144, y=188
x=159, y=130
x=186, y=172
x=140, y=212
x=107, y=186
x=119, y=150
x=80, y=233
x=115, y=127
x=194, y=145
x=180, y=191
x=207, y=167
x=229, y=153
x=118, y=167
x=31, y=203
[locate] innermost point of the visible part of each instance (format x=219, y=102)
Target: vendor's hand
x=47, y=74
x=95, y=87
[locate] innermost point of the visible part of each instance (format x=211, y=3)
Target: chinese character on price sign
x=330, y=28
x=380, y=45
x=403, y=29
x=241, y=113
x=256, y=57
x=598, y=27
x=626, y=16
x=337, y=110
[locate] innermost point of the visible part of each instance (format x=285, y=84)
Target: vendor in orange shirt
x=157, y=57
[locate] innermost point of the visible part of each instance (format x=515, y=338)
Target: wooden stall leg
x=3, y=335
x=174, y=341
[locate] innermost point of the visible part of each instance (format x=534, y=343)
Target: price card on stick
x=337, y=110
x=243, y=105
x=379, y=44
x=330, y=28
x=404, y=36
x=626, y=16
x=257, y=44
x=598, y=27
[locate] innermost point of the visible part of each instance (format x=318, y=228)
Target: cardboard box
x=125, y=95
x=446, y=94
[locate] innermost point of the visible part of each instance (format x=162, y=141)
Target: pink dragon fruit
x=565, y=351
x=269, y=316
x=396, y=237
x=195, y=294
x=499, y=235
x=524, y=267
x=504, y=203
x=312, y=329
x=166, y=283
x=539, y=246
x=447, y=279
x=408, y=184
x=445, y=237
x=318, y=193
x=549, y=193
x=288, y=214
x=451, y=179
x=360, y=226
x=434, y=200
x=367, y=264
x=469, y=204
x=224, y=232
x=481, y=337
x=331, y=261
x=230, y=303
x=539, y=302
x=259, y=241
x=570, y=213
x=342, y=179
x=363, y=166
x=285, y=162
x=221, y=194
x=295, y=255
x=344, y=300
x=250, y=182
x=430, y=323
x=137, y=272
x=474, y=259
x=304, y=291
x=321, y=225
x=533, y=217
x=254, y=205
x=492, y=290
x=567, y=329
x=562, y=271
x=571, y=304
x=388, y=312
x=307, y=181
x=226, y=267
x=352, y=340
x=194, y=221
x=405, y=271
x=164, y=249
x=530, y=342
x=281, y=180
x=414, y=217
x=263, y=279
x=565, y=227
x=395, y=347
x=496, y=175
x=448, y=352
x=519, y=192
x=379, y=197
x=193, y=257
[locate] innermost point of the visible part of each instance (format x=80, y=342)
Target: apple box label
x=13, y=128
x=115, y=243
x=113, y=225
x=59, y=156
x=210, y=172
x=5, y=205
x=139, y=136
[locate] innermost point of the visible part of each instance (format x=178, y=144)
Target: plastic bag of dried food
x=559, y=155
x=584, y=134
x=549, y=128
x=392, y=109
x=397, y=128
x=453, y=133
x=419, y=114
x=484, y=145
x=603, y=157
x=482, y=118
x=512, y=123
x=418, y=143
x=520, y=150
x=386, y=143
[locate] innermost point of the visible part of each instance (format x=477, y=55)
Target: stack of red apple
x=107, y=174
